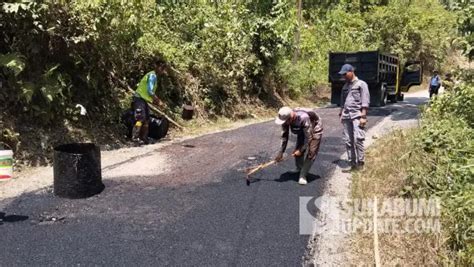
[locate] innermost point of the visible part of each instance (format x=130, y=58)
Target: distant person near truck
x=355, y=100
x=435, y=84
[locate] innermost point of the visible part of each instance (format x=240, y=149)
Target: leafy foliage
x=14, y=62
x=224, y=57
x=446, y=168
x=338, y=30
x=465, y=12
x=220, y=53
x=422, y=30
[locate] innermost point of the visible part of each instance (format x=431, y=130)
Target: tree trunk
x=299, y=4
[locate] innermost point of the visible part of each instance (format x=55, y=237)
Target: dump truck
x=383, y=72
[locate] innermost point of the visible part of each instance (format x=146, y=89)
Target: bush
x=219, y=54
x=446, y=147
x=407, y=29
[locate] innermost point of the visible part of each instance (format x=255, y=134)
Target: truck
x=383, y=72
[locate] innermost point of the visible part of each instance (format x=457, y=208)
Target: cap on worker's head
x=283, y=115
x=346, y=68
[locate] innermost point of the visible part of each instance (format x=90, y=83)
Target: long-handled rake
x=255, y=169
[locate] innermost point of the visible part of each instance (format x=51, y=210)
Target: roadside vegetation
x=228, y=59
x=434, y=160
x=237, y=60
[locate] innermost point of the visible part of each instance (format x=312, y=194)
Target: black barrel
x=77, y=170
x=158, y=127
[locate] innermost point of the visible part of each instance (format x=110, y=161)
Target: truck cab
x=411, y=75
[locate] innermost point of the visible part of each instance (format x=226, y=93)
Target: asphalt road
x=201, y=212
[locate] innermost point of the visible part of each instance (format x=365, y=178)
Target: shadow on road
x=286, y=177
x=342, y=163
x=293, y=176
x=11, y=218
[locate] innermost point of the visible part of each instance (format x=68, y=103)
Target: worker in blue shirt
x=435, y=84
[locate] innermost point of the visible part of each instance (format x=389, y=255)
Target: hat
x=283, y=115
x=346, y=68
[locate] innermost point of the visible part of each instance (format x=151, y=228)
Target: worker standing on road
x=307, y=125
x=146, y=93
x=435, y=84
x=355, y=99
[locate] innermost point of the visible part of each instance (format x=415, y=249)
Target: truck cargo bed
x=378, y=70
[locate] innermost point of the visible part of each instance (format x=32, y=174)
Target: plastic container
x=6, y=165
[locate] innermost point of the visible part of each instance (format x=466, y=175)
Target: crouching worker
x=307, y=126
x=146, y=93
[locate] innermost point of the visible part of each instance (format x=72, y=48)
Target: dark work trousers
x=306, y=160
x=141, y=111
x=434, y=90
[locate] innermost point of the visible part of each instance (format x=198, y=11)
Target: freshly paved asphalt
x=207, y=216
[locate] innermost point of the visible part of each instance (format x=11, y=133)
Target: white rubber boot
x=302, y=181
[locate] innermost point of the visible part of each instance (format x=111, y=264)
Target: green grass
x=435, y=160
x=385, y=175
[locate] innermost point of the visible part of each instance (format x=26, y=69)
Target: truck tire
x=380, y=97
x=383, y=101
x=336, y=94
x=393, y=98
x=400, y=97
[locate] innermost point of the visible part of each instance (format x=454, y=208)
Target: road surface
x=198, y=212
